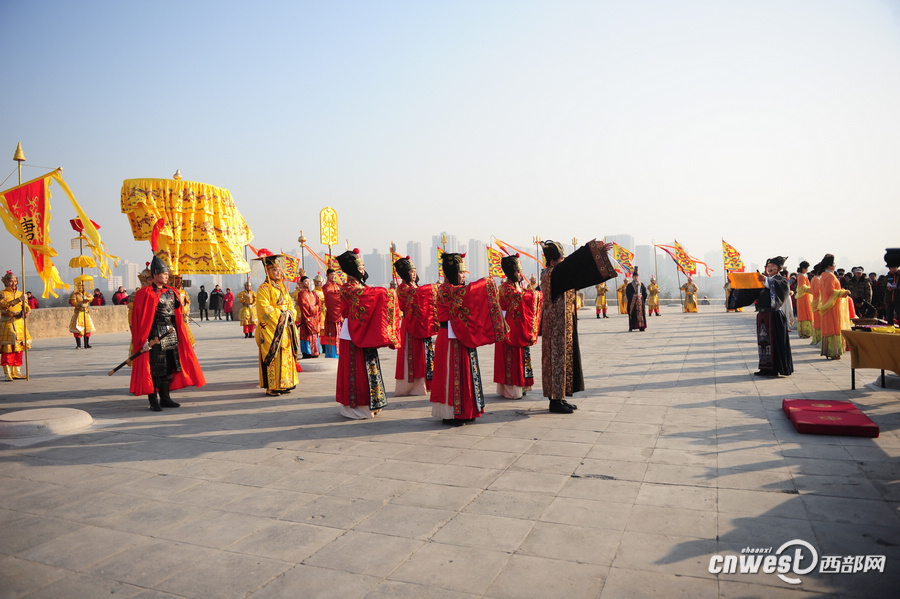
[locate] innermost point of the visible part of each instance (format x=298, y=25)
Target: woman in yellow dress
x=690, y=295
x=82, y=324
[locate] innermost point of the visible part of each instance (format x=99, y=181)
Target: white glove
x=146, y=346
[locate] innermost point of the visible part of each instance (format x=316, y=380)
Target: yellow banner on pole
x=328, y=226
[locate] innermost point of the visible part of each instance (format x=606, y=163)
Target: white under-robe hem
x=357, y=413
x=403, y=387
x=510, y=391
x=442, y=411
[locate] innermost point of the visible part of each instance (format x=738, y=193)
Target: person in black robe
x=772, y=338
x=636, y=294
x=561, y=374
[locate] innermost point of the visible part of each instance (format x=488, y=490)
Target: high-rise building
x=476, y=259
x=643, y=260
x=130, y=275
x=414, y=251
x=377, y=267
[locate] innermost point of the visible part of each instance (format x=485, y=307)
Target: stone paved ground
x=676, y=454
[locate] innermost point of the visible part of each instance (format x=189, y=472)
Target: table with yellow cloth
x=870, y=349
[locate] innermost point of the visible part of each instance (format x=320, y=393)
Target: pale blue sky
x=773, y=124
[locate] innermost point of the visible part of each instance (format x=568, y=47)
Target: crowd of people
x=437, y=328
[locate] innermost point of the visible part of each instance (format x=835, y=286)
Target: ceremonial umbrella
x=195, y=228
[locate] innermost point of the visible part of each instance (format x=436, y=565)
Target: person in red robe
x=415, y=355
x=228, y=304
x=371, y=319
x=469, y=317
x=307, y=318
x=168, y=361
x=333, y=318
x=522, y=311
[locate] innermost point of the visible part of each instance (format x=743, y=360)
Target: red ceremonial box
x=816, y=405
x=829, y=418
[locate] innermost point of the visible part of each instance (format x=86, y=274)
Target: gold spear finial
x=19, y=155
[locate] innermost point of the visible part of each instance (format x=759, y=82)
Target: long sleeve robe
x=561, y=374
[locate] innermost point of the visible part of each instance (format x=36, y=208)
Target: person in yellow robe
x=276, y=335
x=833, y=310
x=652, y=298
x=690, y=295
x=318, y=281
x=620, y=297
x=185, y=299
x=81, y=324
x=814, y=284
x=602, y=305
x=13, y=334
x=247, y=299
x=804, y=303
x=727, y=289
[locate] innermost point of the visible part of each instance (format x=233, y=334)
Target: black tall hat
x=892, y=257
x=777, y=260
x=511, y=267
x=403, y=266
x=553, y=250
x=351, y=263
x=157, y=266
x=453, y=265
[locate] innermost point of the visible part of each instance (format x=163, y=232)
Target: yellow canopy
x=203, y=232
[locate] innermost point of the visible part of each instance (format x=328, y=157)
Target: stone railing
x=54, y=322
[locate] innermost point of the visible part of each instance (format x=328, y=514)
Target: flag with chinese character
x=494, y=268
x=440, y=255
x=624, y=258
x=25, y=212
x=732, y=258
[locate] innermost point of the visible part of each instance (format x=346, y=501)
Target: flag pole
x=680, y=294
x=19, y=157
x=655, y=261
x=725, y=272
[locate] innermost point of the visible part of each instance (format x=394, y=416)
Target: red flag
x=25, y=210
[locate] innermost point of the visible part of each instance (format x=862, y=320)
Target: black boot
x=77, y=342
x=557, y=406
x=154, y=403
x=165, y=398
x=87, y=342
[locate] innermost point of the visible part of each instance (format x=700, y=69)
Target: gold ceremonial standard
x=328, y=225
